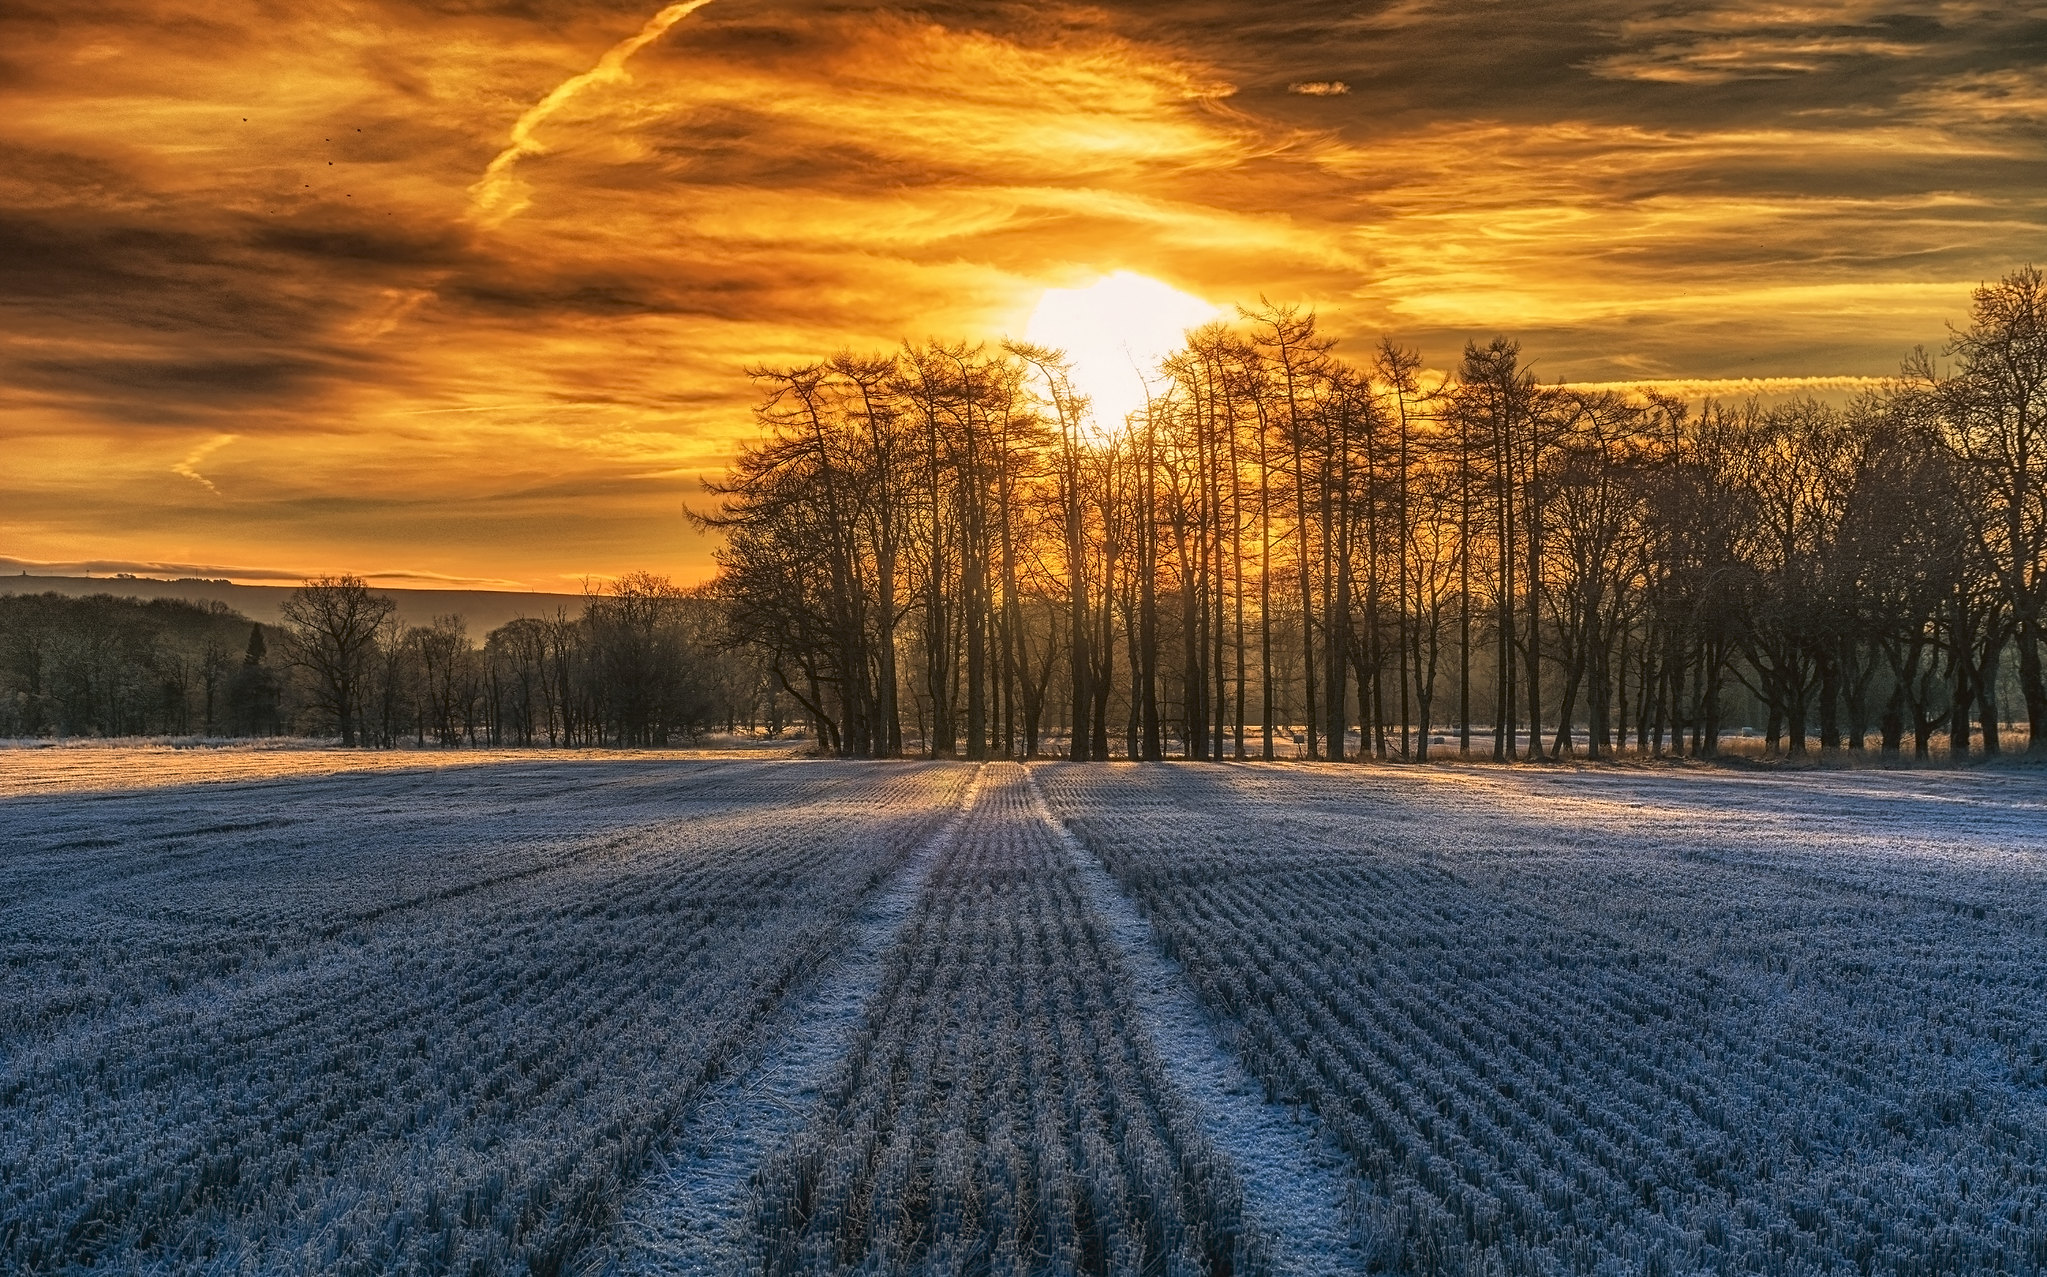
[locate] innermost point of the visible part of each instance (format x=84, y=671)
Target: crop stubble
x=448, y=1020
x=1002, y=1110
x=1674, y=1041
x=445, y=1037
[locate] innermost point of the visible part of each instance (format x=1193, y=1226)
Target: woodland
x=639, y=665
x=942, y=550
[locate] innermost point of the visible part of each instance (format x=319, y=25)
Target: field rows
x=1553, y=1053
x=367, y=1072
x=454, y=1020
x=1001, y=1111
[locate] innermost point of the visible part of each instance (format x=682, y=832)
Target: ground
x=314, y=1011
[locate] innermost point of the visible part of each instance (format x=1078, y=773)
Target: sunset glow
x=467, y=293
x=1115, y=331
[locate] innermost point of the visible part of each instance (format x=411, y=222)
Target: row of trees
x=638, y=666
x=107, y=666
x=946, y=541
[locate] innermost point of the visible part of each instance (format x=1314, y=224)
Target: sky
x=465, y=291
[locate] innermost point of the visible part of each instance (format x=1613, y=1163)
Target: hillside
x=484, y=610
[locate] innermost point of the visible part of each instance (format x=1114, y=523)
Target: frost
x=1626, y=1022
x=553, y=1015
x=404, y=1020
x=690, y=1217
x=1002, y=1110
x=1296, y=1195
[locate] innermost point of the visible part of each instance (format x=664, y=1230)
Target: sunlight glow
x=1116, y=330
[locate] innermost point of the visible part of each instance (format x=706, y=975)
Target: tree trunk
x=1307, y=582
x=1533, y=501
x=1265, y=593
x=1830, y=702
x=1078, y=616
x=1336, y=625
x=1146, y=530
x=1986, y=696
x=1713, y=657
x=974, y=604
x=2033, y=685
x=1193, y=681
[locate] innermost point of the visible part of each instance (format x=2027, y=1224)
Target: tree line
x=107, y=666
x=943, y=546
x=639, y=665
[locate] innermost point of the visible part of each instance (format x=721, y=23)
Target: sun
x=1115, y=331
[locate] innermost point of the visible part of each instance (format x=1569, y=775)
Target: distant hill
x=484, y=610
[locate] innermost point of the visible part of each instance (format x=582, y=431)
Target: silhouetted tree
x=331, y=627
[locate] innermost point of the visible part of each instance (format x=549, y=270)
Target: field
x=288, y=1012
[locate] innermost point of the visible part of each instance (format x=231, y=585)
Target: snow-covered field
x=304, y=1011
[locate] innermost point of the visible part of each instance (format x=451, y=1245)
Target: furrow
x=1297, y=1192
x=690, y=1217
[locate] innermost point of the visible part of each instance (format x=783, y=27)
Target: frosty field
x=661, y=1015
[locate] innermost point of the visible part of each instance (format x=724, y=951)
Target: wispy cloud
x=189, y=467
x=494, y=194
x=1737, y=388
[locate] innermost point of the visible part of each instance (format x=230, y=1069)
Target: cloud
x=291, y=229
x=171, y=571
x=493, y=195
x=1715, y=44
x=189, y=467
x=1740, y=387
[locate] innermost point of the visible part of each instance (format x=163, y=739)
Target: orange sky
x=336, y=286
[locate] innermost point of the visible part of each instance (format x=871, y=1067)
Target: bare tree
x=331, y=627
x=1994, y=418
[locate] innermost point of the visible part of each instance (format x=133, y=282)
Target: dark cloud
x=587, y=295
x=364, y=244
x=214, y=379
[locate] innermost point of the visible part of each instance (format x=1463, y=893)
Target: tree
x=214, y=666
x=1298, y=355
x=1622, y=563
x=331, y=629
x=1993, y=414
x=1495, y=395
x=253, y=692
x=1069, y=411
